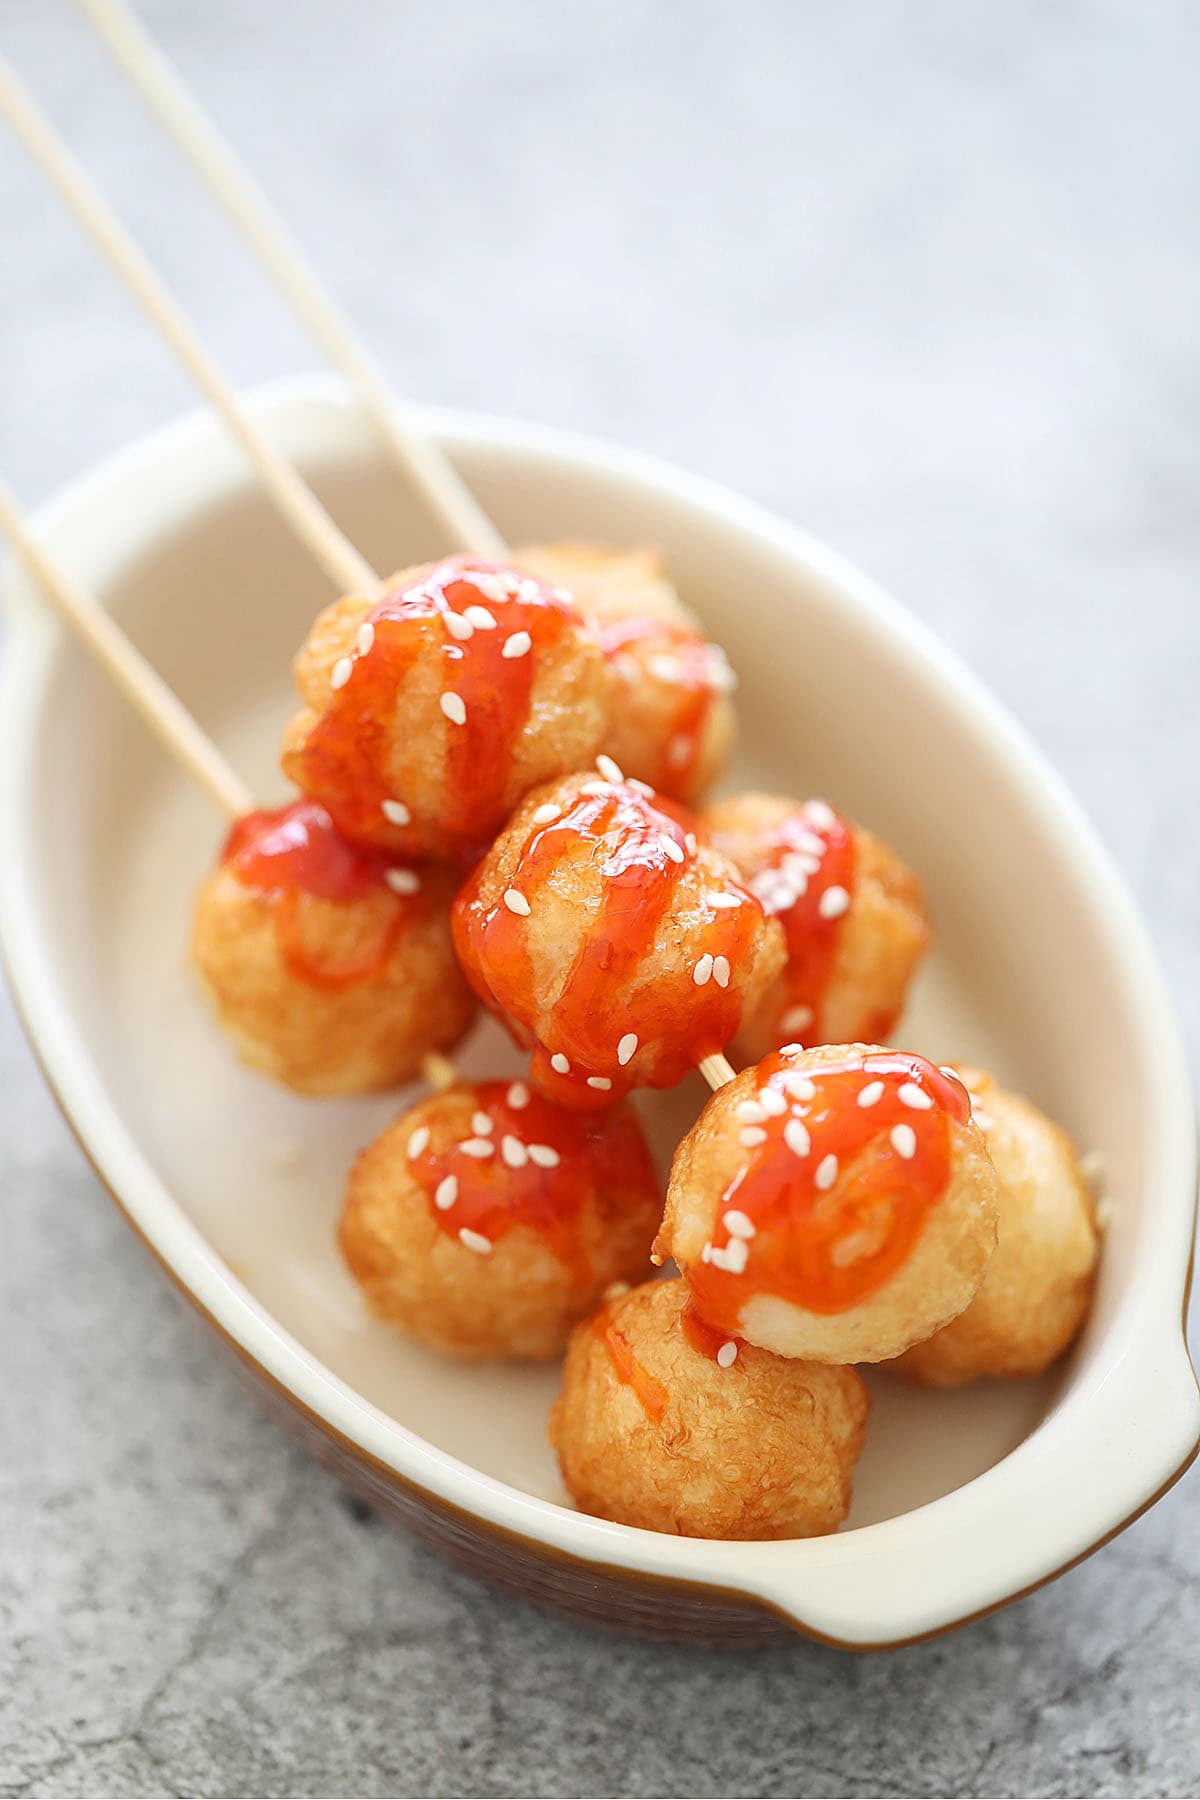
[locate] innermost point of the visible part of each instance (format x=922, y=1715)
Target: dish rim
x=796, y=1579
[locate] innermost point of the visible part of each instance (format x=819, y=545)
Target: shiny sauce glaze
x=690, y=670
x=294, y=854
x=618, y=1021
x=517, y=1159
x=478, y=633
x=649, y=1390
x=842, y=1165
x=806, y=880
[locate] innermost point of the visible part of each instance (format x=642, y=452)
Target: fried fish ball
x=836, y=1204
x=610, y=941
x=332, y=970
x=671, y=721
x=1038, y=1286
x=854, y=917
x=429, y=713
x=487, y=1220
x=662, y=1426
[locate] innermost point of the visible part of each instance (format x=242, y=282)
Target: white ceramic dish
x=1042, y=972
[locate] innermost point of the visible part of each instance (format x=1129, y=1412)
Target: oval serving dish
x=1042, y=972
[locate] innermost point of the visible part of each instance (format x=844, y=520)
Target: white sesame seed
x=480, y=617
x=751, y=1135
x=664, y=667
x=513, y=1151
x=772, y=1102
x=703, y=969
x=945, y=1069
x=911, y=1095
x=798, y=1085
x=750, y=1112
x=599, y=1081
x=559, y=1063
x=640, y=787
x=679, y=750
x=733, y=1258
x=904, y=1141
x=610, y=770
x=615, y=1290
x=403, y=881
x=528, y=589
x=797, y=1018
x=827, y=1171
x=706, y=1253
x=833, y=902
x=519, y=644
x=418, y=1142
x=493, y=587
x=446, y=1194
x=547, y=813
x=342, y=671
x=871, y=1094
x=366, y=638
x=478, y=1147
x=795, y=1136
x=544, y=1156
x=518, y=1096
x=454, y=708
x=813, y=845
x=475, y=1240
x=821, y=813
x=595, y=789
x=627, y=1047
x=516, y=902
x=458, y=627
x=738, y=1224
x=721, y=971
x=984, y=1120
x=727, y=1354
x=482, y=1124
x=689, y=843
x=564, y=595
x=673, y=850
x=724, y=900
x=396, y=812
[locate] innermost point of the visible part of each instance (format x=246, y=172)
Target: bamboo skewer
x=466, y=524
x=325, y=541
x=167, y=717
x=348, y=570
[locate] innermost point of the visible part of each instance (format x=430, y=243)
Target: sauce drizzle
x=829, y=1204
x=294, y=854
x=650, y=1391
x=474, y=633
x=613, y=1000
x=807, y=881
x=542, y=1170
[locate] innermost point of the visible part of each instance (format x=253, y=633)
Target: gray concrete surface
x=922, y=276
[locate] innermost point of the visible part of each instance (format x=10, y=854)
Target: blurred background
x=924, y=278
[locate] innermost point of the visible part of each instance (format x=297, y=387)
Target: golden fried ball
x=1038, y=1286
x=671, y=721
x=326, y=977
x=610, y=941
x=836, y=1204
x=487, y=1220
x=427, y=714
x=851, y=956
x=609, y=585
x=655, y=1427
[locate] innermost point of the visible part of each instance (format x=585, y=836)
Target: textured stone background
x=921, y=276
